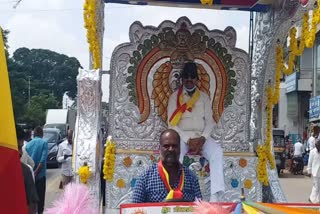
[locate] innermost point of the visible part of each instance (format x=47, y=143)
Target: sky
x=58, y=25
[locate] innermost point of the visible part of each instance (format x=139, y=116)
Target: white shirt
x=25, y=157
x=65, y=148
x=311, y=143
x=298, y=149
x=314, y=163
x=198, y=122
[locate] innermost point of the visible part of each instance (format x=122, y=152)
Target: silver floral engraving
x=233, y=172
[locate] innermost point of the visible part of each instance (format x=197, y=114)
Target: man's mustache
x=170, y=155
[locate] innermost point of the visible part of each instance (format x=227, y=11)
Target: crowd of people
x=307, y=153
x=33, y=156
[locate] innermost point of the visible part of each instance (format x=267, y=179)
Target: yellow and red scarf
x=173, y=193
x=182, y=107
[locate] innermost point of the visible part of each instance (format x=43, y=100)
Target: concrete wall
x=288, y=124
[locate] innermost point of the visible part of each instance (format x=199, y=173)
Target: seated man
x=168, y=179
x=190, y=114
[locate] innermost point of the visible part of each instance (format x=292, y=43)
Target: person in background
x=37, y=148
x=27, y=137
x=24, y=157
x=314, y=170
x=311, y=142
x=64, y=157
x=305, y=135
x=27, y=172
x=297, y=155
x=168, y=179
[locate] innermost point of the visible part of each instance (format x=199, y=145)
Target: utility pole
x=29, y=91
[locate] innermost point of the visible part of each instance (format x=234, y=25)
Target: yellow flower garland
x=206, y=2
x=307, y=39
x=90, y=23
x=109, y=160
x=84, y=173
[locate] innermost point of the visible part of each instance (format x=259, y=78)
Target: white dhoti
x=315, y=192
x=213, y=152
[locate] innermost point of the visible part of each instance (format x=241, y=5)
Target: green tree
x=43, y=73
x=36, y=112
x=50, y=71
x=5, y=34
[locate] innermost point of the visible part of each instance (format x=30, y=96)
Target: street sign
x=314, y=109
x=291, y=82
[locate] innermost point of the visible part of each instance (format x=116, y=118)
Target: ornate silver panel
x=87, y=144
x=232, y=128
x=235, y=176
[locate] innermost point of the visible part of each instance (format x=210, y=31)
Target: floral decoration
x=109, y=160
x=121, y=183
x=90, y=23
x=152, y=158
x=307, y=38
x=247, y=184
x=242, y=162
x=234, y=183
x=127, y=161
x=84, y=173
x=206, y=2
x=133, y=182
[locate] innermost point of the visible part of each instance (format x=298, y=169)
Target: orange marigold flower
x=242, y=162
x=127, y=161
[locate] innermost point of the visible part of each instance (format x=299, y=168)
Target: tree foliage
x=36, y=110
x=5, y=34
x=48, y=75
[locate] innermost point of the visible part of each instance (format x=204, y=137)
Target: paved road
x=52, y=188
x=297, y=188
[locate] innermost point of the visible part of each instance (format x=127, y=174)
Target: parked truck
x=62, y=119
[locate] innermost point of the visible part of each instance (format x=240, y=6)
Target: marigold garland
x=206, y=2
x=84, y=173
x=307, y=38
x=90, y=8
x=109, y=160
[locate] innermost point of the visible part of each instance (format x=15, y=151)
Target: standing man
x=311, y=142
x=27, y=172
x=24, y=156
x=297, y=155
x=168, y=179
x=314, y=170
x=64, y=156
x=190, y=114
x=38, y=150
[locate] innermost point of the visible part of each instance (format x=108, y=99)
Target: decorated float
x=243, y=88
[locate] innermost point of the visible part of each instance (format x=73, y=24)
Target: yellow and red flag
x=12, y=196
